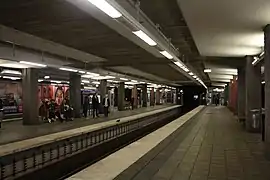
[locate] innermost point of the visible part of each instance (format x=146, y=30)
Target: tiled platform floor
x=15, y=131
x=213, y=146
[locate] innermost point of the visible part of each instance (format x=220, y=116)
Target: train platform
x=14, y=131
x=209, y=146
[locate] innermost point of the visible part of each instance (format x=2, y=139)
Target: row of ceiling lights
x=83, y=81
x=107, y=8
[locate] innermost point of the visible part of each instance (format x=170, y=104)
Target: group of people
x=50, y=111
x=96, y=105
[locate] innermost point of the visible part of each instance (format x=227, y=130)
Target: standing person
x=106, y=105
x=95, y=105
x=85, y=106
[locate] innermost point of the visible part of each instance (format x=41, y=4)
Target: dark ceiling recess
x=168, y=16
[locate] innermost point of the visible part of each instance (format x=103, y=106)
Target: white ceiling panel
x=231, y=28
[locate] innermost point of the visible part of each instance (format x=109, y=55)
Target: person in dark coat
x=85, y=106
x=106, y=105
x=95, y=104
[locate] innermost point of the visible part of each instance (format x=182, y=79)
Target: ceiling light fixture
x=191, y=73
x=124, y=79
x=85, y=81
x=179, y=64
x=11, y=72
x=54, y=81
x=145, y=37
x=96, y=82
x=82, y=72
x=185, y=69
x=92, y=74
x=68, y=69
x=207, y=70
x=166, y=54
x=256, y=59
x=33, y=64
x=46, y=77
x=40, y=80
x=263, y=82
x=106, y=8
x=12, y=78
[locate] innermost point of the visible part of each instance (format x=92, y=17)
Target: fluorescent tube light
x=14, y=65
x=106, y=8
x=54, y=81
x=263, y=82
x=256, y=59
x=33, y=64
x=82, y=72
x=46, y=77
x=123, y=79
x=185, y=69
x=92, y=74
x=207, y=70
x=10, y=77
x=166, y=54
x=191, y=73
x=96, y=82
x=11, y=72
x=68, y=69
x=134, y=81
x=145, y=37
x=85, y=81
x=40, y=80
x=179, y=64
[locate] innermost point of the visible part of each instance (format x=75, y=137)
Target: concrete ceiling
x=216, y=34
x=62, y=22
x=231, y=28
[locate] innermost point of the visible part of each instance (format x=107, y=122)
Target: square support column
x=30, y=96
x=267, y=88
x=158, y=97
x=103, y=89
x=121, y=96
x=152, y=97
x=253, y=91
x=75, y=93
x=135, y=96
x=144, y=95
x=241, y=98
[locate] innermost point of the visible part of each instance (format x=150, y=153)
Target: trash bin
x=256, y=120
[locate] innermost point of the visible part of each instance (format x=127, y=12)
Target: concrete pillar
x=226, y=96
x=75, y=93
x=103, y=90
x=121, y=96
x=158, y=96
x=135, y=96
x=253, y=90
x=267, y=88
x=30, y=96
x=144, y=95
x=241, y=97
x=152, y=97
x=179, y=96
